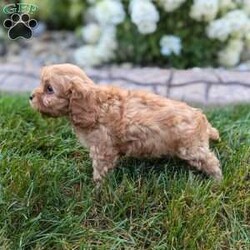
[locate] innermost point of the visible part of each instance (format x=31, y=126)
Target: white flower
x=226, y=4
x=107, y=45
x=170, y=5
x=89, y=15
x=145, y=15
x=170, y=45
x=219, y=29
x=246, y=6
x=103, y=51
x=109, y=12
x=235, y=23
x=230, y=56
x=86, y=56
x=236, y=45
x=91, y=1
x=247, y=36
x=147, y=27
x=204, y=10
x=91, y=33
x=238, y=21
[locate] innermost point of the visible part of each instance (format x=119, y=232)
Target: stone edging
x=203, y=86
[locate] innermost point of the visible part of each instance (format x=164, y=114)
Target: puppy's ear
x=83, y=108
x=77, y=88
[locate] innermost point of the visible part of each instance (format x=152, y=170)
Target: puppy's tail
x=213, y=133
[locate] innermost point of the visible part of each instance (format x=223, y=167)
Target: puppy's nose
x=31, y=97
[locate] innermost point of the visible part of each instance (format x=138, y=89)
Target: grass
x=48, y=200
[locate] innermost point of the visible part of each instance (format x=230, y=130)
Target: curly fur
x=112, y=122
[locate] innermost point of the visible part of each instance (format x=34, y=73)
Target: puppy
x=112, y=122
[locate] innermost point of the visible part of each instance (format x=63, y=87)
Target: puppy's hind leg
x=103, y=159
x=203, y=159
x=209, y=164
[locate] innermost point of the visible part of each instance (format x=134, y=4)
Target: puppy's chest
x=82, y=139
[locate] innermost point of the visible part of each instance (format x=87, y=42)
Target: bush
x=181, y=33
x=59, y=14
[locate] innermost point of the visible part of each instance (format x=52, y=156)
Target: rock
x=39, y=29
x=200, y=86
x=3, y=49
x=245, y=66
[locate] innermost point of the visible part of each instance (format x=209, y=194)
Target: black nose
x=31, y=97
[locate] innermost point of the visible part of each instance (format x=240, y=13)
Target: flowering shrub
x=144, y=15
x=178, y=33
x=58, y=14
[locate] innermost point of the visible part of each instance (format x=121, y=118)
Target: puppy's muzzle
x=31, y=97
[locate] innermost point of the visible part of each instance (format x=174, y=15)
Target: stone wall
x=202, y=86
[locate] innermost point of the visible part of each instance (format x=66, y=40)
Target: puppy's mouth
x=37, y=105
x=33, y=105
x=44, y=111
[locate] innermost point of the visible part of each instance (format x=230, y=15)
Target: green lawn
x=48, y=200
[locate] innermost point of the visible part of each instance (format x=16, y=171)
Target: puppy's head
x=52, y=97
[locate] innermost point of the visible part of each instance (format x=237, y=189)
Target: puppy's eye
x=49, y=89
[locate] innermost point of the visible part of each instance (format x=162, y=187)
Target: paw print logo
x=20, y=26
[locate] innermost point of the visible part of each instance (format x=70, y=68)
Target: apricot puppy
x=112, y=122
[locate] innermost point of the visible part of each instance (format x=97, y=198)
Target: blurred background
x=165, y=33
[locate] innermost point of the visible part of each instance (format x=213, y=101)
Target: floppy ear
x=83, y=108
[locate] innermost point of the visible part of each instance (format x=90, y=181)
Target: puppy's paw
x=217, y=175
x=98, y=185
x=97, y=178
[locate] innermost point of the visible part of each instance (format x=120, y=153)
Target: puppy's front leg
x=103, y=158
